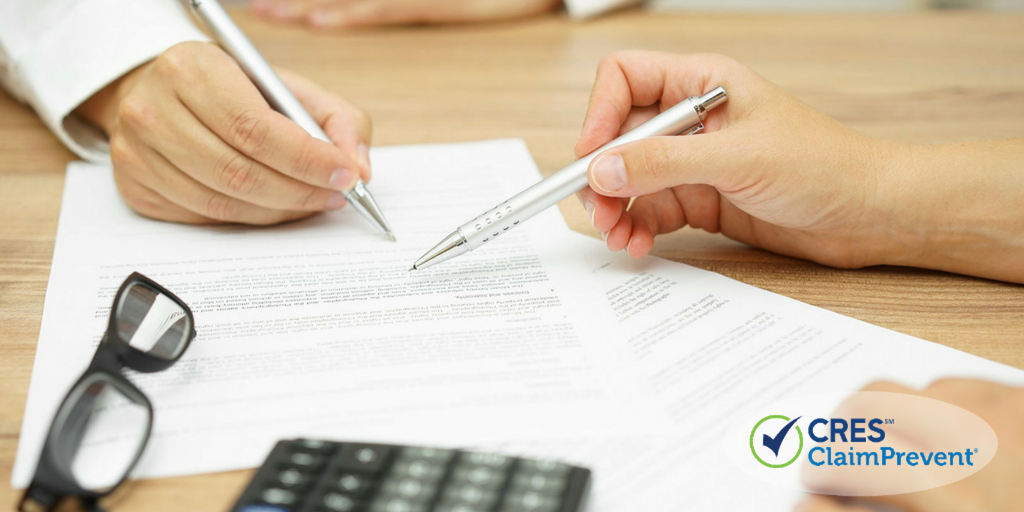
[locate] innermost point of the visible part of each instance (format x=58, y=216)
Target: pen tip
x=413, y=268
x=392, y=236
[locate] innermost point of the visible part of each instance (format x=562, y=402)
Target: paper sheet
x=702, y=348
x=319, y=328
x=545, y=345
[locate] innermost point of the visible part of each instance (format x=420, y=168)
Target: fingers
x=648, y=216
x=155, y=188
x=194, y=141
x=719, y=159
x=642, y=79
x=348, y=127
x=604, y=212
x=148, y=203
x=245, y=121
x=192, y=148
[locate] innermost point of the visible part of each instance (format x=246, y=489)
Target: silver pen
x=684, y=118
x=234, y=42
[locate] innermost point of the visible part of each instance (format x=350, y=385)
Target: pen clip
x=699, y=127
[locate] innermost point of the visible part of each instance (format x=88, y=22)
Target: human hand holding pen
x=772, y=172
x=192, y=140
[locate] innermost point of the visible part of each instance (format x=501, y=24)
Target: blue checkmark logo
x=774, y=442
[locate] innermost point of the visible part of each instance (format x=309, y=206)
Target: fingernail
x=609, y=173
x=590, y=211
x=629, y=243
x=336, y=202
x=604, y=236
x=342, y=179
x=364, y=155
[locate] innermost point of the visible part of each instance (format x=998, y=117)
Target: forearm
x=959, y=208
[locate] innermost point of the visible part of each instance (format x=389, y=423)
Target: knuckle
x=176, y=61
x=654, y=159
x=305, y=168
x=249, y=130
x=239, y=175
x=135, y=112
x=121, y=154
x=221, y=207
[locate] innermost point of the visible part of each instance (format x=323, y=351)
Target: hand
x=333, y=14
x=774, y=173
x=995, y=488
x=768, y=170
x=192, y=140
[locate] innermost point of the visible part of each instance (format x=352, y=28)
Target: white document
x=318, y=328
x=544, y=344
x=701, y=349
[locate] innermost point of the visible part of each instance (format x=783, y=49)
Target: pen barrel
x=235, y=43
x=682, y=118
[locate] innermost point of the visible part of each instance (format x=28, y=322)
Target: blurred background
x=815, y=5
x=834, y=5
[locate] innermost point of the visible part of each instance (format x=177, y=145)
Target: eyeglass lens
x=151, y=322
x=99, y=432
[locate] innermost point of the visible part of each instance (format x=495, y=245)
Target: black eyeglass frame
x=53, y=483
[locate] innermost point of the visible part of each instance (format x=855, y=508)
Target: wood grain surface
x=917, y=77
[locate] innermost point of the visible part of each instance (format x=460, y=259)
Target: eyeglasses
x=104, y=422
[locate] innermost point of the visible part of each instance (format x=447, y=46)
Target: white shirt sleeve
x=580, y=9
x=55, y=54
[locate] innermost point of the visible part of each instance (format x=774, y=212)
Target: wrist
x=101, y=108
x=945, y=208
x=898, y=212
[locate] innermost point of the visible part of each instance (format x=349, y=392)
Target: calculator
x=306, y=475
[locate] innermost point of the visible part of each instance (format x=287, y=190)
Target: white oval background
x=921, y=425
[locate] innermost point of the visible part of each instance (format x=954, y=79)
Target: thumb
x=650, y=165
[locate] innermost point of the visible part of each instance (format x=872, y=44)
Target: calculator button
x=419, y=469
x=338, y=502
x=396, y=505
x=352, y=484
x=362, y=458
x=305, y=461
x=529, y=502
x=409, y=489
x=481, y=476
x=274, y=496
x=547, y=467
x=312, y=446
x=469, y=495
x=292, y=478
x=538, y=482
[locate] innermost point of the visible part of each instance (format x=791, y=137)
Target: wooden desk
x=914, y=77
